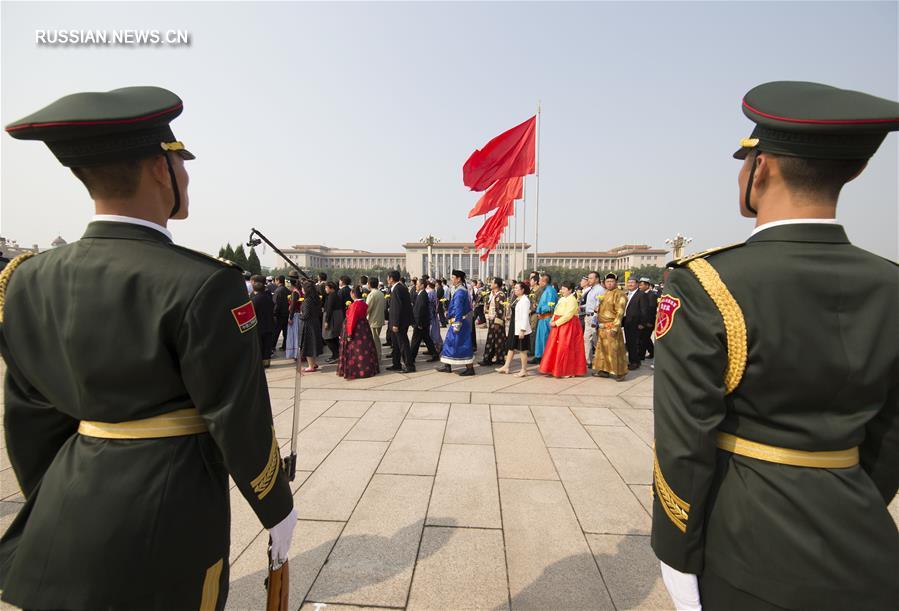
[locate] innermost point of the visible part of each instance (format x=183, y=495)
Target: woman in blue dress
x=458, y=348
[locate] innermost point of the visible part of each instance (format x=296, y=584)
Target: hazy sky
x=347, y=124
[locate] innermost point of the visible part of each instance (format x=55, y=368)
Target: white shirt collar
x=115, y=218
x=793, y=222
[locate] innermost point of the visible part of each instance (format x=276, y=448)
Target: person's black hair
x=568, y=284
x=356, y=292
x=393, y=275
x=596, y=273
x=281, y=279
x=373, y=282
x=547, y=276
x=363, y=280
x=524, y=287
x=331, y=285
x=822, y=178
x=322, y=276
x=498, y=281
x=346, y=280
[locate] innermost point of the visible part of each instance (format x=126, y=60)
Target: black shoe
x=393, y=368
x=386, y=344
x=445, y=369
x=434, y=358
x=632, y=366
x=621, y=377
x=650, y=357
x=388, y=356
x=600, y=374
x=408, y=369
x=467, y=372
x=534, y=361
x=485, y=363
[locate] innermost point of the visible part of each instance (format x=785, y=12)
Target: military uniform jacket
x=821, y=374
x=145, y=328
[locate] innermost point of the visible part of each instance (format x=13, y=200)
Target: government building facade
x=507, y=261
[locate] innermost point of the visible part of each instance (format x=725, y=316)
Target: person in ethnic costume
x=495, y=310
x=545, y=306
x=611, y=354
x=564, y=353
x=123, y=451
x=358, y=354
x=777, y=411
x=457, y=347
x=294, y=322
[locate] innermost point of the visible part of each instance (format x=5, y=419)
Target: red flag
x=503, y=190
x=489, y=235
x=512, y=153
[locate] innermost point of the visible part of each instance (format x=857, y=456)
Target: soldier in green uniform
x=777, y=411
x=134, y=383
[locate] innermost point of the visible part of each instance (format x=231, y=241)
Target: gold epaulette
x=222, y=260
x=682, y=262
x=6, y=274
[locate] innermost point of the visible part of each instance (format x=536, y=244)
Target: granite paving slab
x=460, y=568
x=630, y=456
x=549, y=562
x=520, y=452
x=631, y=571
x=318, y=440
x=560, y=429
x=596, y=416
x=348, y=409
x=372, y=562
x=332, y=491
x=415, y=448
x=511, y=413
x=380, y=422
x=640, y=421
x=602, y=501
x=469, y=424
x=465, y=489
x=428, y=411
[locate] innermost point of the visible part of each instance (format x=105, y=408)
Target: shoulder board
x=702, y=255
x=221, y=260
x=6, y=274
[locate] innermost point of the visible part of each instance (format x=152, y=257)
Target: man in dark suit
x=264, y=305
x=400, y=317
x=281, y=312
x=421, y=331
x=652, y=303
x=636, y=315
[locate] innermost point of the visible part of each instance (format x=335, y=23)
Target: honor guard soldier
x=777, y=410
x=130, y=399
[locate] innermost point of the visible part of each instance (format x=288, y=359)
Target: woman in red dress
x=358, y=356
x=563, y=356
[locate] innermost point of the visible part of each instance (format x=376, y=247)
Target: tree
x=653, y=272
x=222, y=253
x=229, y=252
x=240, y=257
x=253, y=262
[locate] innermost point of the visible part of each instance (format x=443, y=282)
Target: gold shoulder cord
x=734, y=322
x=6, y=274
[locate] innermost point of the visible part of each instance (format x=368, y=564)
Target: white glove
x=683, y=588
x=281, y=535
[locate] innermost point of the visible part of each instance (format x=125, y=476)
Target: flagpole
x=537, y=194
x=524, y=222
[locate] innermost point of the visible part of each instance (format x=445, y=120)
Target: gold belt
x=838, y=459
x=173, y=424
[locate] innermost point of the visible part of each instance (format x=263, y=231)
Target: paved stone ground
x=431, y=491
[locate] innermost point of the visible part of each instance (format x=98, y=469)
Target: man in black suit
x=636, y=315
x=421, y=331
x=652, y=303
x=264, y=306
x=281, y=311
x=400, y=317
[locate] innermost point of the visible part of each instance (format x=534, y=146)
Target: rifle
x=276, y=583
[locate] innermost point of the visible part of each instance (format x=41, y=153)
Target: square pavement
x=430, y=491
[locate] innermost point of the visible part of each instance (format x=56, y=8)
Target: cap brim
x=186, y=155
x=743, y=152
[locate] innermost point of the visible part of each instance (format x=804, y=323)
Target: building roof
x=58, y=241
x=613, y=253
x=439, y=245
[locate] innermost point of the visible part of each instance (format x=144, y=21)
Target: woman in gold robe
x=611, y=355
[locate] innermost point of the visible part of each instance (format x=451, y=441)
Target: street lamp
x=677, y=244
x=430, y=241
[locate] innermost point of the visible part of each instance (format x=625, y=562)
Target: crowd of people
x=564, y=328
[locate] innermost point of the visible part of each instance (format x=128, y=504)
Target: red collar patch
x=245, y=316
x=668, y=307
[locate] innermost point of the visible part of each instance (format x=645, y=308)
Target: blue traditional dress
x=545, y=308
x=457, y=347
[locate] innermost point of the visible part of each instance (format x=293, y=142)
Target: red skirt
x=564, y=352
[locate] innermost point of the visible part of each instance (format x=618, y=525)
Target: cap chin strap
x=749, y=187
x=175, y=188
